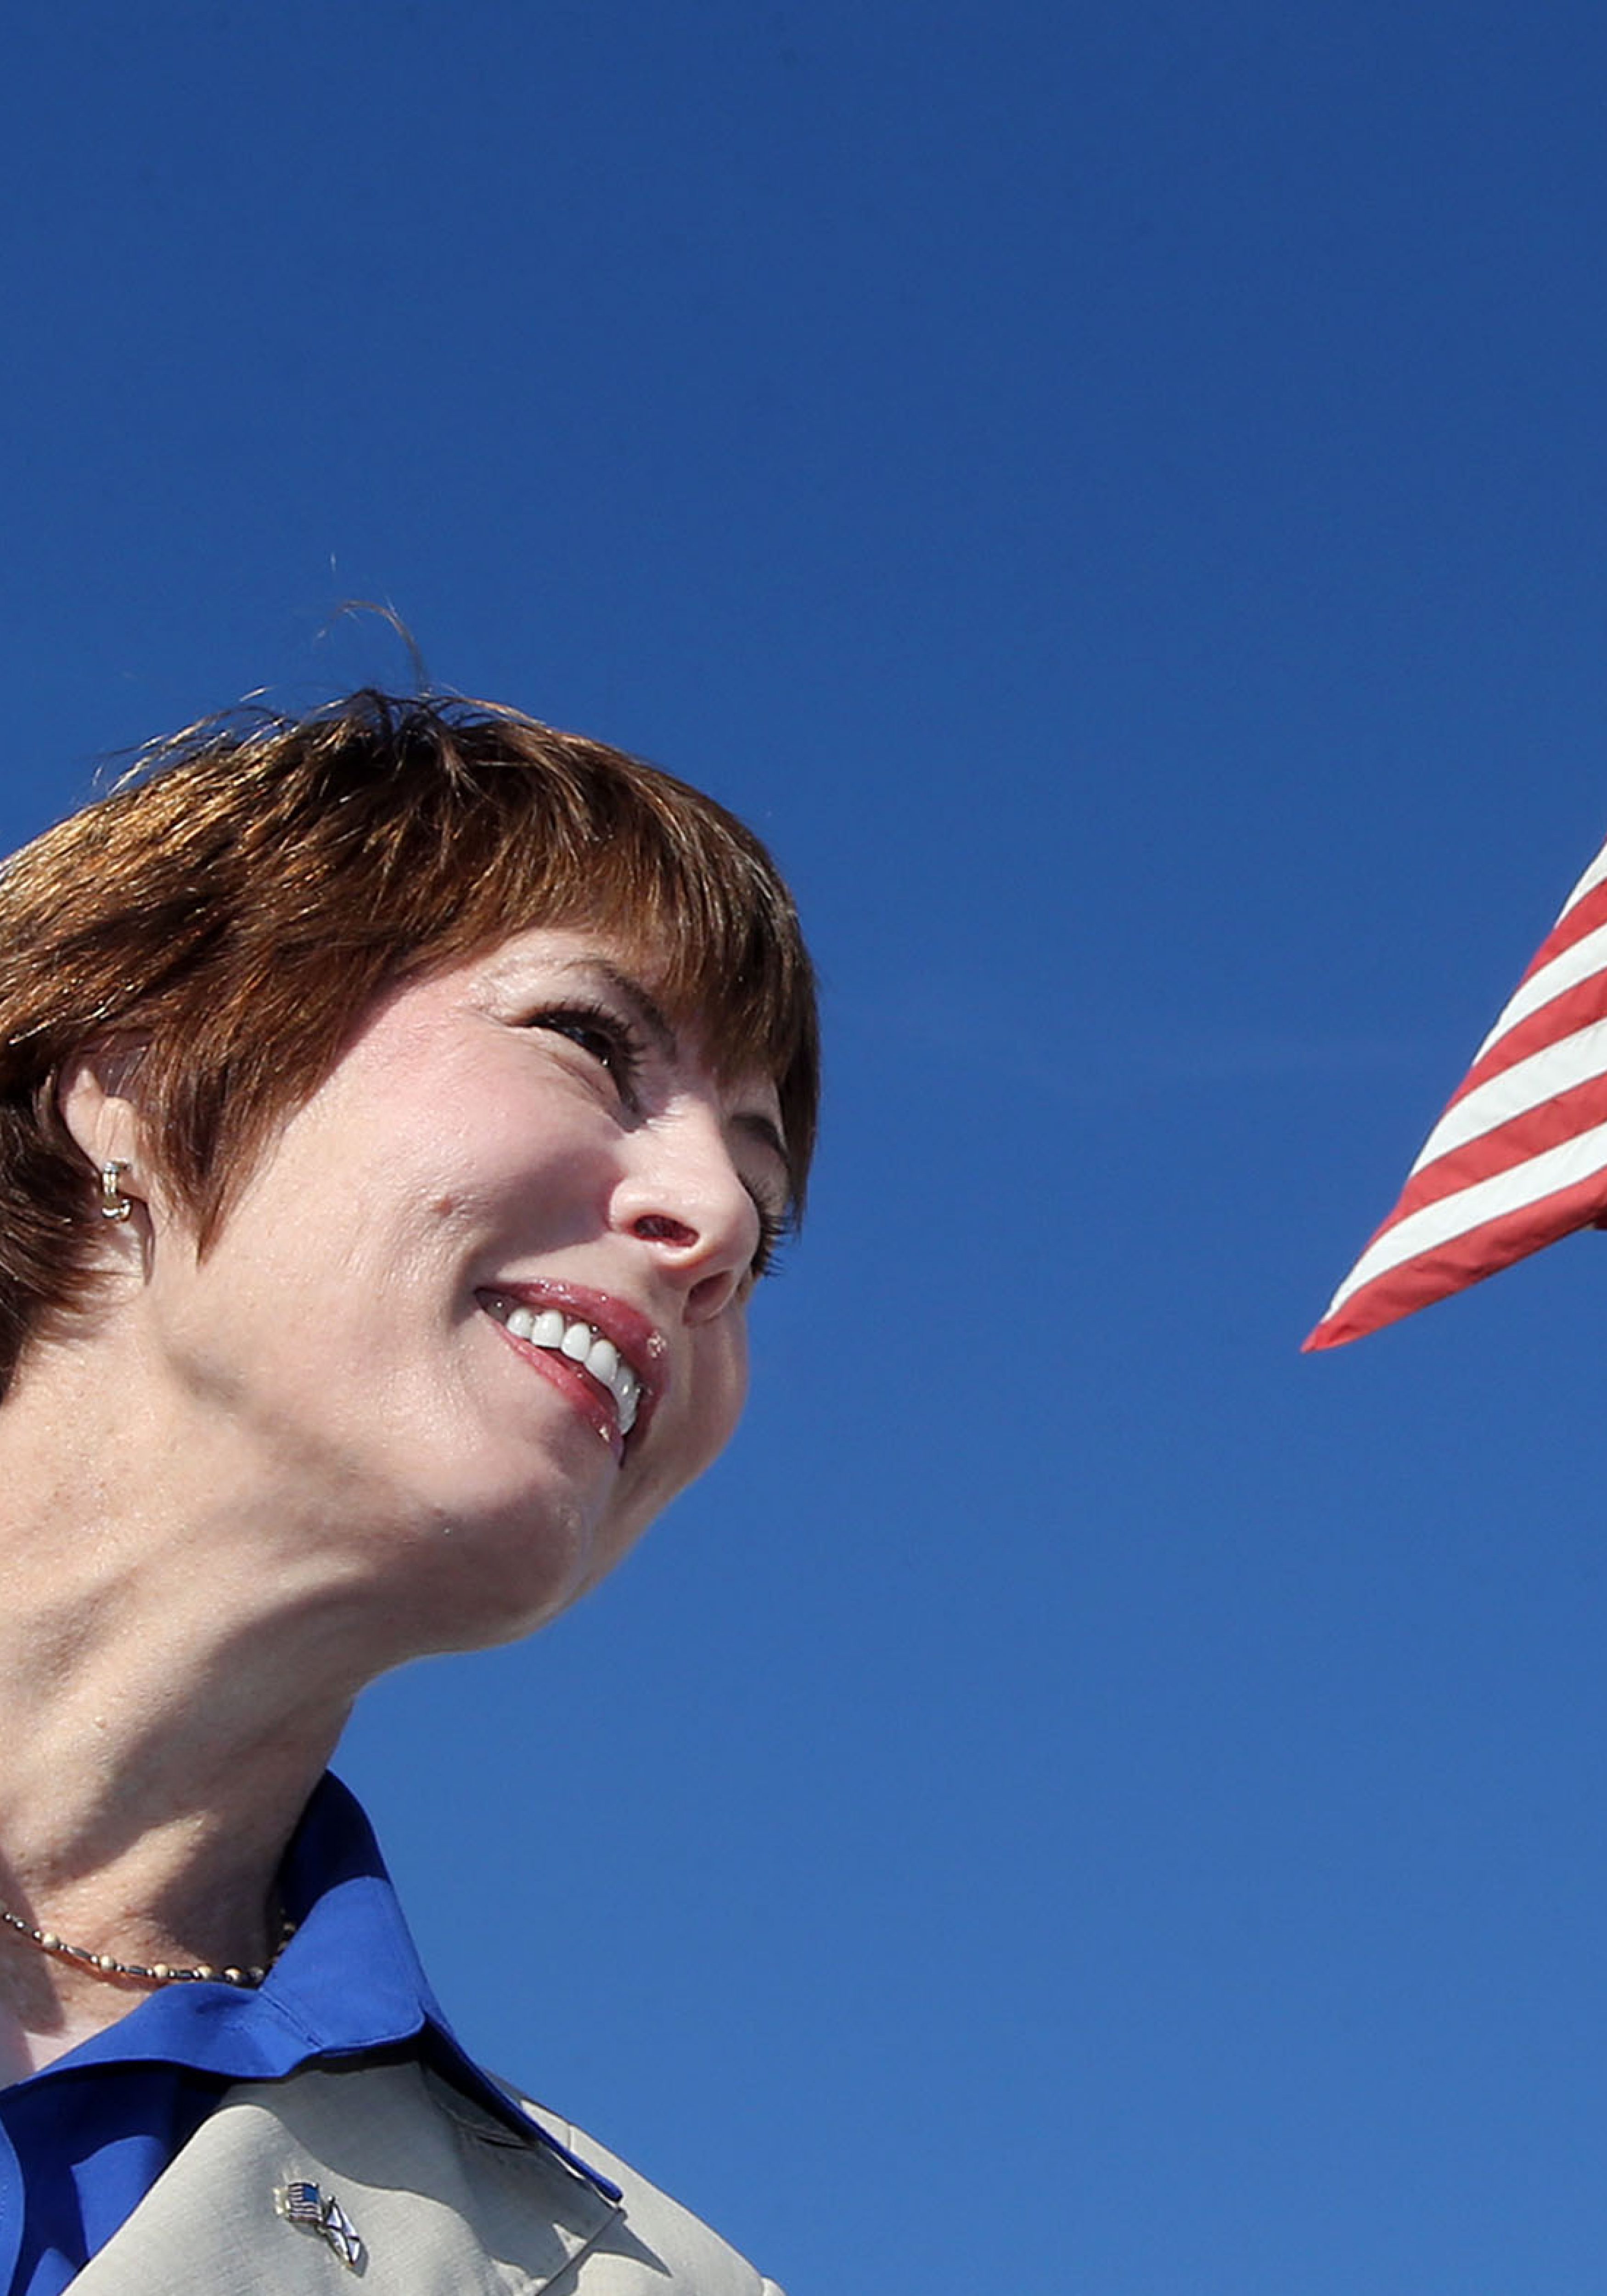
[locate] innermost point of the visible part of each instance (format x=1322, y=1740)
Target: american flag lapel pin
x=1520, y=1156
x=305, y=2203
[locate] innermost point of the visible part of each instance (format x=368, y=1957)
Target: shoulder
x=548, y=2202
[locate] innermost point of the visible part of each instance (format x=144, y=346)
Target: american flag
x=1520, y=1156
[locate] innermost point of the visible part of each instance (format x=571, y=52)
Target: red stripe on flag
x=1503, y=1147
x=1433, y=1275
x=1574, y=1008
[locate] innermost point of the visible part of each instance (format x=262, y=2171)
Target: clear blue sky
x=1083, y=1799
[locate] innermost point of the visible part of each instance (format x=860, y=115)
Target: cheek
x=725, y=1392
x=689, y=1436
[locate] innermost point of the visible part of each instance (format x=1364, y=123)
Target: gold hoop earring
x=114, y=1204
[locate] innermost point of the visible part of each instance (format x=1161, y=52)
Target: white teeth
x=549, y=1328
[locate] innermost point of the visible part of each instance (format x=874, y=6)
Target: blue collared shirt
x=82, y=2142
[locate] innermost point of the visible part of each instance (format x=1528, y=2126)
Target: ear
x=99, y=1111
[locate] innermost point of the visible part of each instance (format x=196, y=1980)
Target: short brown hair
x=233, y=907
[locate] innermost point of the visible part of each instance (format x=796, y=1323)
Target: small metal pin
x=304, y=2203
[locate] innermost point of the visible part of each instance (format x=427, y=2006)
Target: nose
x=685, y=1196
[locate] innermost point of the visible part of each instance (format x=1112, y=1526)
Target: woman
x=397, y=1106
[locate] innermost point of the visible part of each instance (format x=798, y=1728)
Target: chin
x=484, y=1616
x=474, y=1573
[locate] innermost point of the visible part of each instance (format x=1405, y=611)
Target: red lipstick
x=638, y=1344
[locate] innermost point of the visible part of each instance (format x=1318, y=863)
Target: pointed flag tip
x=1519, y=1156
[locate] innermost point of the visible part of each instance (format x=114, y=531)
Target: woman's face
x=480, y=1312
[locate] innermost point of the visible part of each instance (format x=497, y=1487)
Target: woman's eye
x=607, y=1041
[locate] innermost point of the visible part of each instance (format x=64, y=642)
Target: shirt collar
x=348, y=1983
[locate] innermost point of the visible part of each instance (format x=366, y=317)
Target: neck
x=176, y=1661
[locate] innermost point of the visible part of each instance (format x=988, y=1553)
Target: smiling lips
x=581, y=1344
x=558, y=1331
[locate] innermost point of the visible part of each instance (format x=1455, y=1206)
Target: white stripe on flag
x=1591, y=877
x=1528, y=1084
x=1422, y=1232
x=1571, y=966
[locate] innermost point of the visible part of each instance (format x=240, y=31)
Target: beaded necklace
x=160, y=1973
